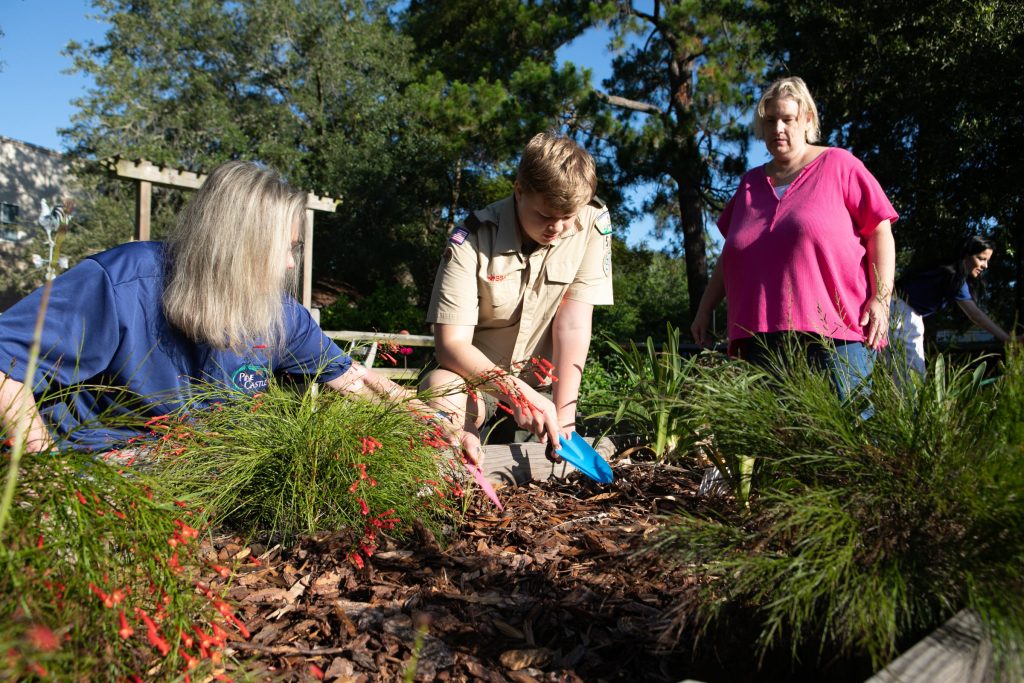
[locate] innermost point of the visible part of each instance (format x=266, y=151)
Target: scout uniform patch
x=458, y=235
x=604, y=223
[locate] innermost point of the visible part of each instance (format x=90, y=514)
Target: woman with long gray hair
x=208, y=306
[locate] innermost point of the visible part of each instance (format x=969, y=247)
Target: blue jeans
x=849, y=364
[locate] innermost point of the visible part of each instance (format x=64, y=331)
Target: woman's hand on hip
x=875, y=321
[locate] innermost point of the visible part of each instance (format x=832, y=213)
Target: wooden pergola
x=145, y=175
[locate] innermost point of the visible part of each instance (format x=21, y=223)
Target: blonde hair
x=795, y=89
x=559, y=170
x=227, y=258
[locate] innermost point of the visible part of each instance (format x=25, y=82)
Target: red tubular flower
x=363, y=507
x=42, y=638
x=155, y=639
x=39, y=542
x=205, y=640
x=223, y=571
x=37, y=669
x=185, y=529
x=173, y=563
x=190, y=661
x=317, y=672
x=356, y=559
x=186, y=639
x=125, y=631
x=81, y=498
x=220, y=636
x=104, y=598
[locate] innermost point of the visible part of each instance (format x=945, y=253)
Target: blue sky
x=38, y=93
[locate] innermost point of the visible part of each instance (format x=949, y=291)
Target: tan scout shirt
x=511, y=298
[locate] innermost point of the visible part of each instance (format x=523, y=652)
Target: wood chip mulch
x=555, y=588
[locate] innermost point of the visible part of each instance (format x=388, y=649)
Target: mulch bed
x=555, y=588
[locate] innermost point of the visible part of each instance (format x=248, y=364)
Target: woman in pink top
x=808, y=248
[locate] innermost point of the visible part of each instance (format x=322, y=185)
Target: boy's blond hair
x=559, y=170
x=227, y=269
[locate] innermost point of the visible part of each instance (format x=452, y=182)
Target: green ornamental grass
x=862, y=533
x=100, y=573
x=289, y=462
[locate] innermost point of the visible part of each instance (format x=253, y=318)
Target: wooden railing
x=367, y=349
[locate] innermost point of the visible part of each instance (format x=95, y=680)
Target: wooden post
x=145, y=174
x=307, y=261
x=143, y=204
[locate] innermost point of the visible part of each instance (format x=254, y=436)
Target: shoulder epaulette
x=472, y=223
x=596, y=202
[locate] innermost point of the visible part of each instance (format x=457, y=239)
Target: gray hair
x=227, y=258
x=795, y=89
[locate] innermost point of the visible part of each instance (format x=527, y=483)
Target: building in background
x=29, y=173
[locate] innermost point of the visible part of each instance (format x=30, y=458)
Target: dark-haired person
x=152, y=319
x=924, y=292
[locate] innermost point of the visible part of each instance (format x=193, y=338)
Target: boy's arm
x=18, y=412
x=571, y=339
x=455, y=352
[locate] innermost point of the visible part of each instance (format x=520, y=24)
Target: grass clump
x=289, y=463
x=100, y=576
x=862, y=533
x=650, y=395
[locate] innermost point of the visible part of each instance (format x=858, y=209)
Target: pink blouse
x=799, y=263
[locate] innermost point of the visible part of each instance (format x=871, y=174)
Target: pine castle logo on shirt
x=250, y=378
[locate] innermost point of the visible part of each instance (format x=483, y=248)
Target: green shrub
x=861, y=533
x=88, y=557
x=649, y=394
x=292, y=463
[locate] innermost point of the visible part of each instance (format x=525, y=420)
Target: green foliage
x=650, y=293
x=682, y=81
x=652, y=396
x=387, y=309
x=84, y=545
x=291, y=463
x=864, y=532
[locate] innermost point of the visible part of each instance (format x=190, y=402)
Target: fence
x=369, y=343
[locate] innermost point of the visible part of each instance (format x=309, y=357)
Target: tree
x=930, y=94
x=321, y=90
x=673, y=110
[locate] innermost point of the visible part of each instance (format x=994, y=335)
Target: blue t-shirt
x=107, y=350
x=929, y=291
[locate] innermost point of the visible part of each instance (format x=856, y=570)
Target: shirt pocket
x=560, y=273
x=502, y=293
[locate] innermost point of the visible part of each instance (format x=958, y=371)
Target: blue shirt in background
x=929, y=291
x=106, y=336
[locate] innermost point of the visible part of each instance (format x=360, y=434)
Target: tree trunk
x=692, y=225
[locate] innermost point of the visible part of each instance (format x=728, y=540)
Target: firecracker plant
x=103, y=579
x=289, y=462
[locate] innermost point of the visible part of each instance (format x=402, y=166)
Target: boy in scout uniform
x=515, y=292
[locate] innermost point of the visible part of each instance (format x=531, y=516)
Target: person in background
x=921, y=293
x=134, y=330
x=809, y=255
x=514, y=296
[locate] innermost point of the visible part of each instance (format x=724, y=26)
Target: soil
x=562, y=585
